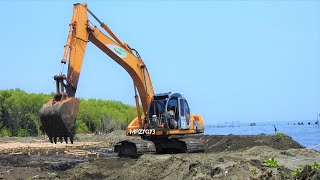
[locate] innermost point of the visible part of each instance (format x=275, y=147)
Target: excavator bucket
x=59, y=119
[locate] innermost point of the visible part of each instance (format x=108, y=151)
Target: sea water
x=307, y=135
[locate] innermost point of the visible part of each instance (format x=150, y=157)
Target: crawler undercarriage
x=136, y=147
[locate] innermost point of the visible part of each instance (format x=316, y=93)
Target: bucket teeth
x=61, y=139
x=66, y=139
x=59, y=119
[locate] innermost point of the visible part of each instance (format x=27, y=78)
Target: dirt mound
x=220, y=143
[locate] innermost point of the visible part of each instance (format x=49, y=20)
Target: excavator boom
x=59, y=114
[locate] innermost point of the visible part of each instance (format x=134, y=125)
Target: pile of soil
x=220, y=143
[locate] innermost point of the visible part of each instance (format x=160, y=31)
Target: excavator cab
x=168, y=111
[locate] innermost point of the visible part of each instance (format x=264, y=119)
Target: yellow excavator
x=166, y=118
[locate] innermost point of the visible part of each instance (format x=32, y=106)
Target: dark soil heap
x=220, y=143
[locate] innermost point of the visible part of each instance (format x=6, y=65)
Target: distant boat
x=252, y=124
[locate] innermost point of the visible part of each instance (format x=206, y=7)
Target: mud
x=225, y=157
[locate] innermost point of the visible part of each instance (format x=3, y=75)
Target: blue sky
x=244, y=61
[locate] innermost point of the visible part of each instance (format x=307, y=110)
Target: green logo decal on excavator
x=120, y=51
x=117, y=50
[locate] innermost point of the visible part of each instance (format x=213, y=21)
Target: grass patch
x=194, y=171
x=271, y=162
x=297, y=172
x=315, y=166
x=254, y=171
x=280, y=134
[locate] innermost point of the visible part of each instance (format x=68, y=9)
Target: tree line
x=19, y=114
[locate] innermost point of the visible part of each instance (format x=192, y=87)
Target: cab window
x=156, y=108
x=182, y=108
x=186, y=109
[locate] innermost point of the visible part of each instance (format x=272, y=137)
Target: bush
x=22, y=133
x=81, y=127
x=281, y=134
x=5, y=132
x=20, y=110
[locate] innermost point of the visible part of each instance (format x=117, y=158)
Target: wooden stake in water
x=318, y=120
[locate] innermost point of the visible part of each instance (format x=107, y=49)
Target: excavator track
x=193, y=145
x=137, y=147
x=134, y=148
x=178, y=145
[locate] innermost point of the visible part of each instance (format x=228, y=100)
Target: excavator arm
x=81, y=33
x=59, y=114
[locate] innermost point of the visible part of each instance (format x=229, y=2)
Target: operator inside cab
x=172, y=122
